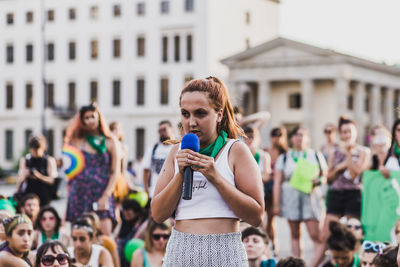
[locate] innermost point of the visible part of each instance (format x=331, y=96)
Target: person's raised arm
x=169, y=186
x=51, y=170
x=257, y=120
x=356, y=168
x=247, y=198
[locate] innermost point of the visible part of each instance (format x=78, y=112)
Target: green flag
x=380, y=204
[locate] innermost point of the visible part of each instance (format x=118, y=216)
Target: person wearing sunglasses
x=19, y=234
x=156, y=238
x=48, y=226
x=54, y=254
x=369, y=251
x=84, y=251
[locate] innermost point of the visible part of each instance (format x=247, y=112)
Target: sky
x=363, y=28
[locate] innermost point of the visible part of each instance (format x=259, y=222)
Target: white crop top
x=206, y=201
x=94, y=257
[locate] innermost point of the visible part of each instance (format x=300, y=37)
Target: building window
x=140, y=9
x=49, y=95
x=295, y=101
x=140, y=134
x=94, y=12
x=9, y=145
x=164, y=91
x=72, y=14
x=177, y=41
x=117, y=48
x=28, y=95
x=50, y=142
x=10, y=19
x=247, y=18
x=50, y=52
x=10, y=53
x=71, y=50
x=140, y=83
x=29, y=53
x=141, y=44
x=116, y=93
x=164, y=7
x=350, y=102
x=117, y=10
x=28, y=133
x=94, y=49
x=71, y=95
x=9, y=96
x=189, y=47
x=189, y=5
x=93, y=91
x=164, y=49
x=50, y=15
x=29, y=17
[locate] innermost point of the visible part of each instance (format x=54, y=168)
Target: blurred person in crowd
x=295, y=204
x=155, y=156
x=355, y=226
x=330, y=136
x=227, y=184
x=345, y=166
x=138, y=168
x=255, y=120
x=389, y=257
x=30, y=205
x=19, y=235
x=380, y=143
x=48, y=225
x=342, y=245
x=37, y=170
x=156, y=238
x=132, y=174
x=3, y=215
x=93, y=188
x=369, y=250
x=181, y=131
x=396, y=233
x=84, y=250
x=123, y=183
x=53, y=254
x=291, y=262
x=133, y=216
x=392, y=162
x=278, y=147
x=255, y=241
x=103, y=240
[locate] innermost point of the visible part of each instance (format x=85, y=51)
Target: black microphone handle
x=187, y=183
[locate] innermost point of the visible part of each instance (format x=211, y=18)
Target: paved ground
x=281, y=225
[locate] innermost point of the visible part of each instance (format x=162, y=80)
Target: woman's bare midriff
x=208, y=226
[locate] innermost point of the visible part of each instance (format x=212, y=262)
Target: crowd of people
x=115, y=219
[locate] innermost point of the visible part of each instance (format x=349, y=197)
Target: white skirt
x=219, y=250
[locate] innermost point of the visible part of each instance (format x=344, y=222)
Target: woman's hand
x=203, y=164
x=385, y=172
x=182, y=159
x=103, y=203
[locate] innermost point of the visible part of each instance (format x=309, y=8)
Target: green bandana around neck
x=53, y=237
x=396, y=149
x=98, y=143
x=257, y=156
x=296, y=155
x=213, y=149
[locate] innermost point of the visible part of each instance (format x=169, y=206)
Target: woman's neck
x=255, y=263
x=298, y=148
x=210, y=141
x=16, y=253
x=48, y=234
x=93, y=132
x=84, y=255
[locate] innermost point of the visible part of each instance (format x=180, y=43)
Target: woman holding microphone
x=227, y=184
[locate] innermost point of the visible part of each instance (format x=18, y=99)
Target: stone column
x=264, y=104
x=375, y=104
x=307, y=93
x=242, y=88
x=341, y=90
x=397, y=108
x=389, y=107
x=359, y=108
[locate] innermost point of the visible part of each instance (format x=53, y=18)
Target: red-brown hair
x=219, y=100
x=77, y=129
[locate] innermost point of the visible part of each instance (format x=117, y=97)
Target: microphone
x=192, y=142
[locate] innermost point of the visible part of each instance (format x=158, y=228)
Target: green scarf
x=356, y=261
x=53, y=237
x=97, y=142
x=257, y=156
x=213, y=149
x=296, y=155
x=396, y=149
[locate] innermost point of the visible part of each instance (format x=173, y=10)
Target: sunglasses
x=328, y=131
x=376, y=247
x=48, y=219
x=48, y=260
x=356, y=227
x=157, y=237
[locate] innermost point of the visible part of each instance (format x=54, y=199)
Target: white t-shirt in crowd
x=154, y=162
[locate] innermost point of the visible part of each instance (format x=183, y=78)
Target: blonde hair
x=151, y=226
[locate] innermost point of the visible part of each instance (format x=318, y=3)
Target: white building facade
x=132, y=57
x=303, y=84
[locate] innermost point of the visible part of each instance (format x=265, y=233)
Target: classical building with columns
x=302, y=84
